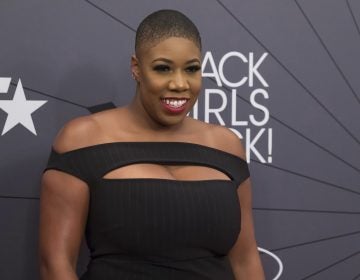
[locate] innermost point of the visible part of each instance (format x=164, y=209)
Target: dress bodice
x=153, y=228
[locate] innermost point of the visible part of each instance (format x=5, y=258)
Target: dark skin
x=168, y=69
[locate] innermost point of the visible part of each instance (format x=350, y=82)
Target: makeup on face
x=170, y=78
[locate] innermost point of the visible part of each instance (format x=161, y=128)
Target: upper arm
x=64, y=202
x=245, y=243
x=63, y=212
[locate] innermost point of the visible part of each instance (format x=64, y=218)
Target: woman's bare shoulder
x=76, y=133
x=221, y=137
x=229, y=141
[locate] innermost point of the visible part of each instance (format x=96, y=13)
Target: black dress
x=150, y=228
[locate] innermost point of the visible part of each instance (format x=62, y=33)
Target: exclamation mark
x=270, y=145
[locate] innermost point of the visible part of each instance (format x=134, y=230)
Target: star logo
x=19, y=109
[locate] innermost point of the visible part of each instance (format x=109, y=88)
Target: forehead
x=170, y=47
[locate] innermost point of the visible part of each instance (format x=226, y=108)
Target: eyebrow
x=170, y=61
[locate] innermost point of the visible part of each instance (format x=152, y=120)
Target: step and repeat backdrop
x=282, y=74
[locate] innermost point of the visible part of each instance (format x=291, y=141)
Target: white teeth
x=175, y=103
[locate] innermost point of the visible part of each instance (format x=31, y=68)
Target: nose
x=178, y=82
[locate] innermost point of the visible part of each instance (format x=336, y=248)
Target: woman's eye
x=193, y=68
x=162, y=68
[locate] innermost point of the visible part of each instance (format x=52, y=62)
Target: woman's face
x=169, y=79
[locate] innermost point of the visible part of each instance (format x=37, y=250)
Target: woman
x=157, y=193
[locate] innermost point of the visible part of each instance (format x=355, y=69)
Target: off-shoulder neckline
x=147, y=143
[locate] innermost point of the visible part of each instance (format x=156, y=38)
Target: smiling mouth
x=175, y=102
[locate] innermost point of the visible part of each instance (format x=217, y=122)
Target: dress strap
x=93, y=162
x=67, y=164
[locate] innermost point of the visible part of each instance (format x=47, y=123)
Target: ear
x=135, y=67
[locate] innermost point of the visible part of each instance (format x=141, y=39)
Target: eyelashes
x=163, y=68
x=193, y=68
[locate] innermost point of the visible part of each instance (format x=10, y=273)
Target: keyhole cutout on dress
x=161, y=171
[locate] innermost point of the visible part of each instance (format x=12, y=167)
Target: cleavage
x=161, y=171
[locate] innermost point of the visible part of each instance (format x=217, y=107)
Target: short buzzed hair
x=164, y=24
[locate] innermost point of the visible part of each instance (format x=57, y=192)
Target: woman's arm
x=244, y=256
x=63, y=212
x=64, y=203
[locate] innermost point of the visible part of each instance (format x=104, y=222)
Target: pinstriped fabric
x=152, y=228
x=91, y=163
